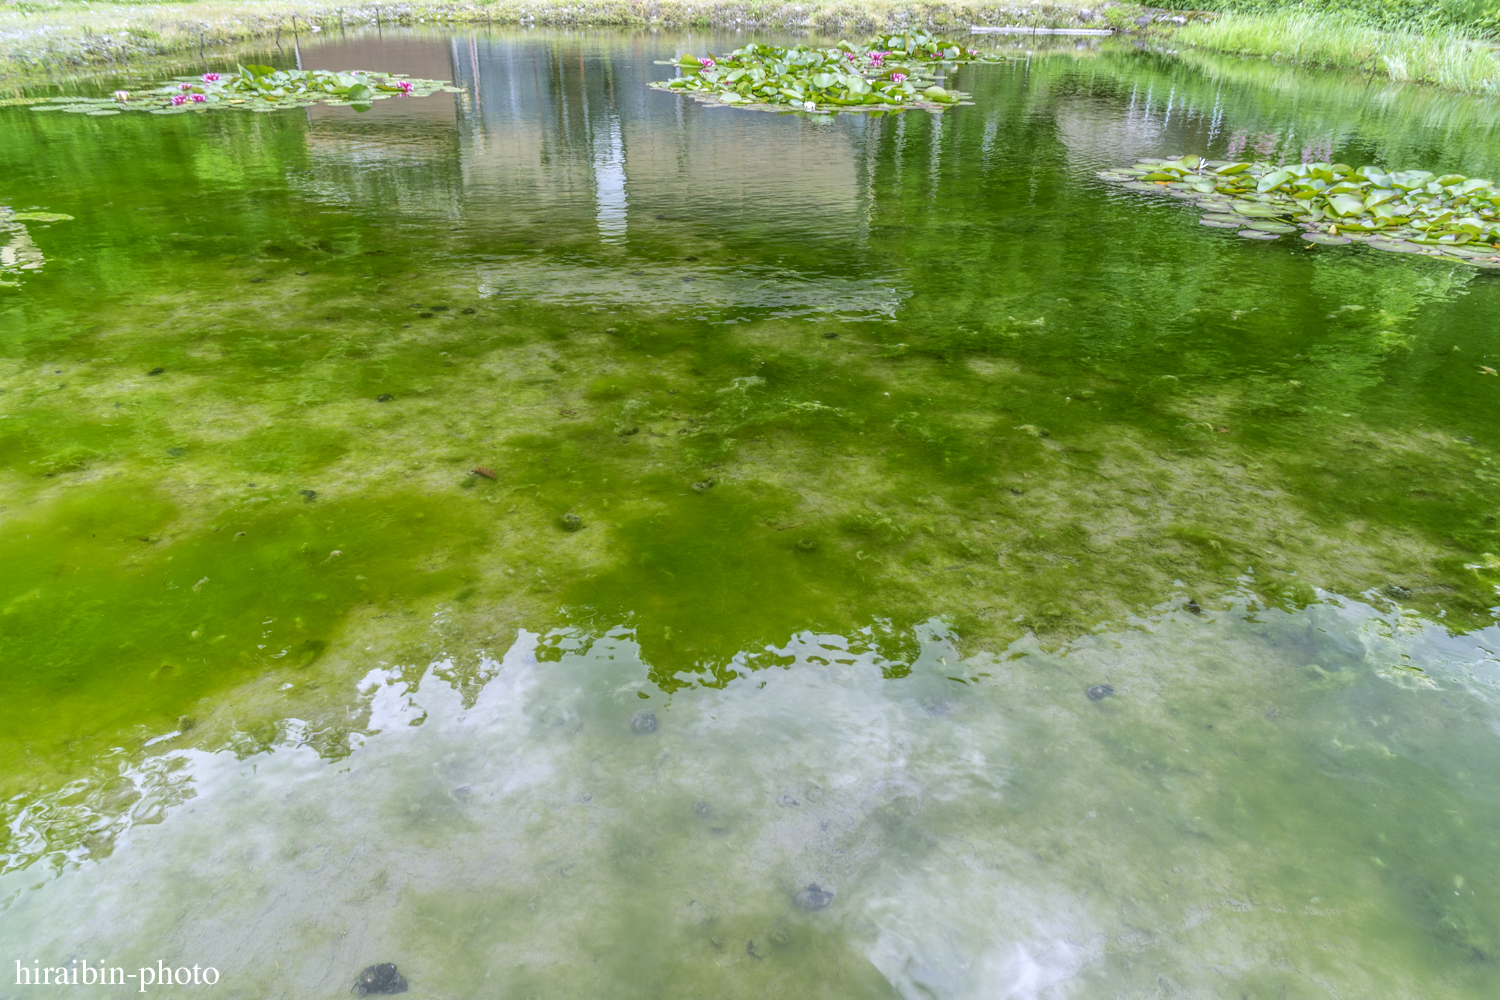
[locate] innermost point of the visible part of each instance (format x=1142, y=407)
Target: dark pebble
x=424, y=315
x=384, y=397
x=690, y=258
x=438, y=309
x=256, y=281
x=1394, y=590
x=704, y=486
x=1100, y=691
x=814, y=897
x=1194, y=607
x=382, y=978
x=468, y=311
x=806, y=545
x=831, y=335
x=302, y=274
x=156, y=371
x=571, y=522
x=643, y=722
x=310, y=494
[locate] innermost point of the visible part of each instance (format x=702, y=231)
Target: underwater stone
x=309, y=494
x=705, y=485
x=571, y=522
x=643, y=722
x=384, y=397
x=156, y=371
x=814, y=897
x=806, y=545
x=1395, y=590
x=1100, y=691
x=382, y=978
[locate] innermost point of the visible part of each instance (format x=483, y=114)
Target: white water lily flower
x=122, y=96
x=810, y=105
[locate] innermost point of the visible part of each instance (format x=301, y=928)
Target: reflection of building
x=557, y=139
x=570, y=129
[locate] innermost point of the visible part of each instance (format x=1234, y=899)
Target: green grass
x=1441, y=55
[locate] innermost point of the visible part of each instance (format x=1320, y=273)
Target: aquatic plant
x=1408, y=211
x=252, y=88
x=892, y=73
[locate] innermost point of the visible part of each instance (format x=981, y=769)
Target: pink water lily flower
x=122, y=96
x=898, y=77
x=707, y=62
x=973, y=53
x=876, y=57
x=179, y=99
x=406, y=86
x=211, y=78
x=199, y=98
x=184, y=86
x=851, y=56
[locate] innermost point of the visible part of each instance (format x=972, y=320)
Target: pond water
x=1095, y=604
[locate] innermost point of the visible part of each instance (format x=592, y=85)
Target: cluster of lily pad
x=252, y=88
x=891, y=73
x=1406, y=211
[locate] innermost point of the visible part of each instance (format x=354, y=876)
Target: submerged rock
x=382, y=978
x=814, y=897
x=643, y=722
x=571, y=522
x=1100, y=691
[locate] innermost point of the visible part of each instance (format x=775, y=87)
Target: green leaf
x=1345, y=204
x=1273, y=180
x=358, y=93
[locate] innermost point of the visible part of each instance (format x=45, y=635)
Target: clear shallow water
x=976, y=429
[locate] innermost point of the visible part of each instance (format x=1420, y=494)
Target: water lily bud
x=122, y=96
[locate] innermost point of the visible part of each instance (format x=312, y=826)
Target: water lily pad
x=1255, y=234
x=101, y=112
x=1221, y=223
x=1490, y=265
x=1270, y=227
x=41, y=217
x=1143, y=186
x=1326, y=239
x=1395, y=246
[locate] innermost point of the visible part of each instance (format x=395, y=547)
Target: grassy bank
x=1437, y=54
x=45, y=40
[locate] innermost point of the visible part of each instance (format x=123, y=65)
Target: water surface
x=888, y=439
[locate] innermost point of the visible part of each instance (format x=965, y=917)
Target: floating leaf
x=1406, y=211
x=1255, y=234
x=1222, y=223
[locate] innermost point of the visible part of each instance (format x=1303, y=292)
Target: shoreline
x=51, y=44
x=72, y=39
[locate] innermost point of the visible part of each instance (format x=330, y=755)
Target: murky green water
x=888, y=440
